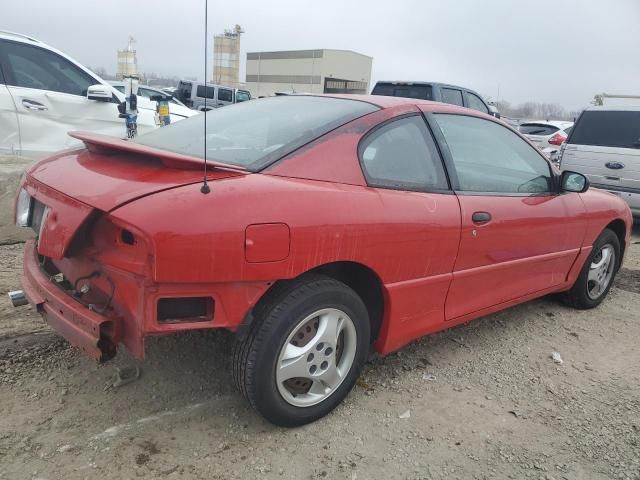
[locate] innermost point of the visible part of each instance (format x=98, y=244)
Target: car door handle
x=33, y=105
x=481, y=217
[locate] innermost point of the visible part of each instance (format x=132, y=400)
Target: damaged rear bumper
x=90, y=331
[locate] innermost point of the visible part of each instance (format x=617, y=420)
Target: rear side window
x=476, y=103
x=205, y=92
x=537, y=129
x=452, y=96
x=257, y=133
x=37, y=68
x=489, y=157
x=423, y=92
x=242, y=96
x=607, y=129
x=402, y=155
x=225, y=95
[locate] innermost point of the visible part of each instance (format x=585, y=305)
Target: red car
x=327, y=225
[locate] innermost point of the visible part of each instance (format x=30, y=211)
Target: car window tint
x=402, y=154
x=608, y=129
x=145, y=92
x=537, y=129
x=489, y=157
x=424, y=92
x=242, y=96
x=476, y=103
x=120, y=88
x=257, y=133
x=208, y=92
x=225, y=95
x=452, y=96
x=34, y=67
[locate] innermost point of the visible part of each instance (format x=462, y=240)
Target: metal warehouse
x=308, y=71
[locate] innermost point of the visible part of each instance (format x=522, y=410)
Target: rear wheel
x=598, y=272
x=304, y=352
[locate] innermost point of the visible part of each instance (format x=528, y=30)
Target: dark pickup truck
x=438, y=92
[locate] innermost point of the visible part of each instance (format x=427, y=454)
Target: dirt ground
x=484, y=401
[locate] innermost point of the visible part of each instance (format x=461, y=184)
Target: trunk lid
x=68, y=188
x=111, y=172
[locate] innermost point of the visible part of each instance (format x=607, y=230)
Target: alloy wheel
x=601, y=271
x=316, y=357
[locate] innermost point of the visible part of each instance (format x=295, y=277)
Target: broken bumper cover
x=82, y=327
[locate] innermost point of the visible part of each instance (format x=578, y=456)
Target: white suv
x=604, y=144
x=44, y=94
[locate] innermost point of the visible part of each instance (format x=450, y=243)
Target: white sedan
x=546, y=135
x=44, y=94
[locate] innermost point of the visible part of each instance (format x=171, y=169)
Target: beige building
x=226, y=57
x=308, y=71
x=127, y=61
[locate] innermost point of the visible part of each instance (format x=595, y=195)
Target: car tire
x=597, y=274
x=304, y=350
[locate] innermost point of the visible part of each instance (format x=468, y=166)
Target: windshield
x=256, y=133
x=537, y=129
x=424, y=92
x=607, y=129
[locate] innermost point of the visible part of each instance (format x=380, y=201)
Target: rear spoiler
x=107, y=145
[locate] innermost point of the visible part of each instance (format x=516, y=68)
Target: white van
x=604, y=144
x=193, y=95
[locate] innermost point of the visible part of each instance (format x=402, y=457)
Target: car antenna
x=205, y=186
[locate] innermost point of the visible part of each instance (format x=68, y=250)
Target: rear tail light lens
x=557, y=139
x=23, y=209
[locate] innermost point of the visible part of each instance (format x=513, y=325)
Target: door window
x=489, y=157
x=476, y=103
x=225, y=95
x=402, y=155
x=242, y=96
x=35, y=67
x=203, y=91
x=452, y=96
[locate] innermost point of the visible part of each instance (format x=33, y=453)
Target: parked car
x=546, y=135
x=437, y=92
x=604, y=144
x=327, y=225
x=148, y=92
x=44, y=94
x=193, y=95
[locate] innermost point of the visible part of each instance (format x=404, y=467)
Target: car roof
x=7, y=35
x=391, y=102
x=553, y=123
x=612, y=108
x=411, y=82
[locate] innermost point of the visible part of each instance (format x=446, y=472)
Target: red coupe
x=326, y=225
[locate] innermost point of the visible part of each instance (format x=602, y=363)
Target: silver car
x=604, y=144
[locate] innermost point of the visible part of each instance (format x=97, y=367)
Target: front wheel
x=598, y=272
x=304, y=351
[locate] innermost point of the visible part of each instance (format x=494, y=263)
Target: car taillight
x=557, y=139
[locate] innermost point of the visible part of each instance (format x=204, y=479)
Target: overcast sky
x=556, y=51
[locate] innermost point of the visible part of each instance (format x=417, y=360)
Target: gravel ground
x=480, y=401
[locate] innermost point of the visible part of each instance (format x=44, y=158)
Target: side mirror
x=574, y=182
x=99, y=92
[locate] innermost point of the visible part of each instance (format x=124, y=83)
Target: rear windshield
x=256, y=133
x=607, y=128
x=537, y=129
x=424, y=92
